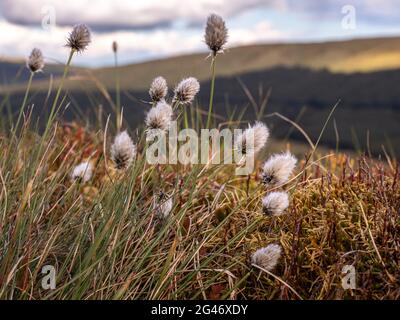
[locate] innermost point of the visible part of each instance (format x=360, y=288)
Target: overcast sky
x=147, y=29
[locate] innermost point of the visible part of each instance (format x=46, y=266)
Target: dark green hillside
x=15, y=72
x=368, y=115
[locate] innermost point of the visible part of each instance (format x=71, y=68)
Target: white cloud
x=123, y=13
x=175, y=26
x=17, y=40
x=366, y=10
x=261, y=32
x=108, y=14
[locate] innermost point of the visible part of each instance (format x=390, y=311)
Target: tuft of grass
x=106, y=242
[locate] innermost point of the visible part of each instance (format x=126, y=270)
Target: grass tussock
x=107, y=241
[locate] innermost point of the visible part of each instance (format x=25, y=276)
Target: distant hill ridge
x=359, y=55
x=306, y=81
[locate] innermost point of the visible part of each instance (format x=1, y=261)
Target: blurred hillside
x=360, y=55
x=346, y=56
x=305, y=81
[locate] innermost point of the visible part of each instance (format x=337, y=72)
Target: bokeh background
x=301, y=57
x=153, y=29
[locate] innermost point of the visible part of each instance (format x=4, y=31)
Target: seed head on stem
x=186, y=90
x=216, y=33
x=267, y=257
x=82, y=172
x=35, y=62
x=275, y=203
x=158, y=89
x=253, y=139
x=278, y=168
x=79, y=38
x=123, y=151
x=115, y=46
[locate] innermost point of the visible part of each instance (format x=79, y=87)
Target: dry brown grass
x=106, y=241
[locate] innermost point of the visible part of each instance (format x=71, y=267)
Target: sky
x=152, y=29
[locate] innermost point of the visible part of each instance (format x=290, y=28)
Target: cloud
x=106, y=15
x=385, y=11
x=261, y=32
x=122, y=14
x=134, y=45
x=153, y=29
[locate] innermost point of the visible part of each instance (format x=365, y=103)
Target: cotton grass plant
x=114, y=48
x=34, y=63
x=186, y=91
x=82, y=172
x=77, y=41
x=123, y=151
x=159, y=117
x=275, y=203
x=278, y=168
x=158, y=89
x=216, y=37
x=267, y=257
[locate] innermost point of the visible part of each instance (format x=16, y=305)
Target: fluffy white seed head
x=123, y=150
x=35, y=61
x=158, y=89
x=79, y=38
x=163, y=207
x=267, y=258
x=253, y=139
x=159, y=117
x=275, y=203
x=216, y=34
x=186, y=90
x=82, y=172
x=278, y=168
x=115, y=46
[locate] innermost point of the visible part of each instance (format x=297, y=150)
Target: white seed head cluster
x=115, y=46
x=35, y=62
x=123, y=150
x=253, y=139
x=158, y=89
x=82, y=172
x=268, y=257
x=275, y=203
x=163, y=207
x=79, y=38
x=216, y=34
x=159, y=117
x=186, y=90
x=278, y=168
